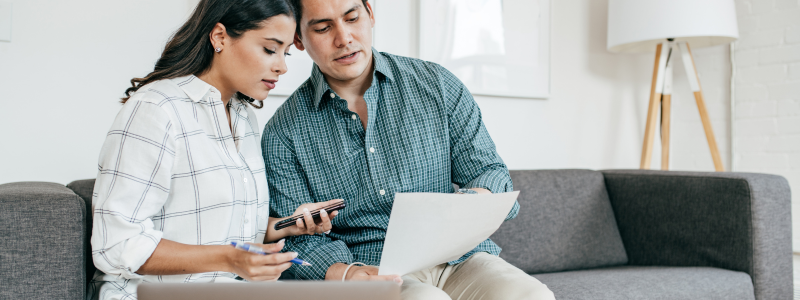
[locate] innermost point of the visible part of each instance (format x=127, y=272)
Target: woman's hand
x=257, y=267
x=307, y=225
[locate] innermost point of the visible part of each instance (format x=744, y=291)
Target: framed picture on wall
x=496, y=47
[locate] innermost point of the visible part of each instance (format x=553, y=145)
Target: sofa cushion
x=84, y=188
x=634, y=282
x=565, y=222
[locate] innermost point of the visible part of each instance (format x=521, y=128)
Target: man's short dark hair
x=297, y=6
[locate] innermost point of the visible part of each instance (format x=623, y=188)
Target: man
x=365, y=126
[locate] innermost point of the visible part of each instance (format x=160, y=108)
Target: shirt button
x=333, y=95
x=245, y=180
x=371, y=149
x=382, y=192
x=246, y=221
x=353, y=116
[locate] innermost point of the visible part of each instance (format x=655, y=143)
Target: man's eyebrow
x=317, y=21
x=352, y=9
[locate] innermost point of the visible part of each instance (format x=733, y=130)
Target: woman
x=181, y=174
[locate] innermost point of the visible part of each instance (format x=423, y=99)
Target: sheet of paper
x=427, y=229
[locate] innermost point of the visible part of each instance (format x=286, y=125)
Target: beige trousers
x=481, y=277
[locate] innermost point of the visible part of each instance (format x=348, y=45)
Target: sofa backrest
x=84, y=188
x=565, y=223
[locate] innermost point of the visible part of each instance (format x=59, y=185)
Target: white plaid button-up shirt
x=171, y=168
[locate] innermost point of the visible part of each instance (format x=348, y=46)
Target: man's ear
x=371, y=14
x=298, y=42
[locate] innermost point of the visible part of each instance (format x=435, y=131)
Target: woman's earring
x=218, y=50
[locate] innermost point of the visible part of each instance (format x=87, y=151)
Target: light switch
x=5, y=21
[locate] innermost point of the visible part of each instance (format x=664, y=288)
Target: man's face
x=337, y=34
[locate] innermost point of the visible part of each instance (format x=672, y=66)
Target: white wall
x=63, y=73
x=767, y=115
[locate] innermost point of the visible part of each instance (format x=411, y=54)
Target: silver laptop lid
x=291, y=290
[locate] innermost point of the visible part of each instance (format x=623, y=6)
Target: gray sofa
x=617, y=234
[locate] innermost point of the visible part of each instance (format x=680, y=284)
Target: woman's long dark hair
x=189, y=51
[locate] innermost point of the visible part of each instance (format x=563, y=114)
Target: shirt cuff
x=321, y=256
x=496, y=181
x=514, y=211
x=126, y=257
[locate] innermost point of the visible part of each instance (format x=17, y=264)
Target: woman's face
x=252, y=63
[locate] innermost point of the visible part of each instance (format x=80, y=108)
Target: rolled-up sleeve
x=132, y=185
x=288, y=190
x=476, y=163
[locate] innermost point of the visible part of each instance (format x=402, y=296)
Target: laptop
x=284, y=290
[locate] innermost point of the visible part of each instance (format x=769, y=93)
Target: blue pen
x=258, y=250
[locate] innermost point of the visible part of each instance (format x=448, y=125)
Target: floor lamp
x=669, y=27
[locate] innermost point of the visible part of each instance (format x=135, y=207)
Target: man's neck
x=354, y=89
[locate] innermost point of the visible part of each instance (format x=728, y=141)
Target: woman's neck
x=214, y=80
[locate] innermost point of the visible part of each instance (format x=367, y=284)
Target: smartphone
x=314, y=214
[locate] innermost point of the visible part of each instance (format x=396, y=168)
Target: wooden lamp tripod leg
x=652, y=109
x=694, y=83
x=666, y=110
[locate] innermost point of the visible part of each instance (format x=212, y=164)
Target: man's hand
x=359, y=273
x=370, y=273
x=307, y=225
x=481, y=190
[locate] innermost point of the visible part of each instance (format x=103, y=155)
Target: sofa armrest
x=735, y=221
x=41, y=249
x=85, y=189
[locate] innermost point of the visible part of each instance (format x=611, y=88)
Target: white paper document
x=427, y=229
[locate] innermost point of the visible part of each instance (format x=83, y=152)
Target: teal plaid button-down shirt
x=424, y=133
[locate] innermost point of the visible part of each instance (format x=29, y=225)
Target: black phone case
x=314, y=214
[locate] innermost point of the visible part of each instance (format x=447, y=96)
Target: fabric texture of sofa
x=615, y=234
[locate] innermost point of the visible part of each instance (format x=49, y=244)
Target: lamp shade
x=639, y=25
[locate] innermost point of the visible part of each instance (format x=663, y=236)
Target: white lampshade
x=639, y=25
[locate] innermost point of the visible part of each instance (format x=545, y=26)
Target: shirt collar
x=321, y=86
x=194, y=87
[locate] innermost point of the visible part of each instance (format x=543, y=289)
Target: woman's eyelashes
x=270, y=52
